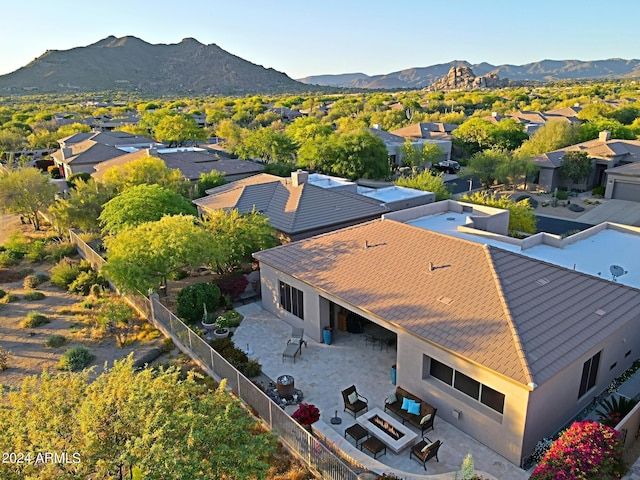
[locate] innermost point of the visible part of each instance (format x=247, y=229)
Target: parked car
x=447, y=166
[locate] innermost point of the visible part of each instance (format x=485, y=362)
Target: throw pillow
x=425, y=419
x=405, y=403
x=414, y=408
x=353, y=396
x=392, y=398
x=427, y=447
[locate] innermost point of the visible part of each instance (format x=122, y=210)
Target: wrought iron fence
x=300, y=441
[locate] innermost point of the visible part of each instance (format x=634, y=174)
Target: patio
x=322, y=371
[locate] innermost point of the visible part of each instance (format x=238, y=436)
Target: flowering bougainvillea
x=232, y=285
x=585, y=451
x=306, y=414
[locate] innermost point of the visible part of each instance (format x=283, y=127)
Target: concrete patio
x=322, y=371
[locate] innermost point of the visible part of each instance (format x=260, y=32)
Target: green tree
x=305, y=129
x=426, y=181
x=26, y=192
x=553, y=135
x=361, y=155
x=591, y=130
x=238, y=235
x=82, y=207
x=594, y=111
x=145, y=170
x=576, y=166
x=212, y=179
x=521, y=215
x=140, y=204
x=176, y=130
x=319, y=154
x=508, y=135
x=431, y=153
x=266, y=144
x=141, y=258
x=410, y=154
x=68, y=130
x=515, y=170
x=11, y=140
x=626, y=114
x=485, y=165
x=230, y=132
x=476, y=133
x=152, y=421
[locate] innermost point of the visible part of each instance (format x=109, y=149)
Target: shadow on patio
x=322, y=371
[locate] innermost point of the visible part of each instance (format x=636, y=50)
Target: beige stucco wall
x=502, y=433
x=556, y=402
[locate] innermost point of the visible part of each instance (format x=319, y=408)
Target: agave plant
x=615, y=409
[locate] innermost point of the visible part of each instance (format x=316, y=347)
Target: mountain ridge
x=541, y=71
x=130, y=64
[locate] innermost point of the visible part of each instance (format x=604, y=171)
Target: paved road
x=559, y=226
x=461, y=185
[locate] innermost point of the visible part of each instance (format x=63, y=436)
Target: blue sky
x=301, y=37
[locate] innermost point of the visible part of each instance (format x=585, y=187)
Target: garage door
x=626, y=191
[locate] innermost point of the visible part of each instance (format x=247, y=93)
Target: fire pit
x=285, y=384
x=386, y=427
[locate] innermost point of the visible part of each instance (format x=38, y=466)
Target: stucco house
x=623, y=182
x=395, y=144
x=507, y=346
x=606, y=153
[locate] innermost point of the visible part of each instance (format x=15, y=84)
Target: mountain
x=463, y=78
x=543, y=71
x=131, y=64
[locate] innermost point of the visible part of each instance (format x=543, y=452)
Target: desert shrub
x=190, y=301
x=55, y=341
x=4, y=358
x=54, y=171
x=167, y=345
x=96, y=290
x=7, y=259
x=31, y=296
x=598, y=191
x=232, y=285
x=586, y=450
x=232, y=318
x=42, y=277
x=2, y=293
x=75, y=358
x=56, y=251
x=562, y=195
x=18, y=245
x=36, y=251
x=33, y=320
x=85, y=281
x=9, y=297
x=64, y=272
x=30, y=281
x=253, y=369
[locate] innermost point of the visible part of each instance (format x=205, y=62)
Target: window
x=441, y=371
x=589, y=374
x=465, y=384
x=492, y=399
x=291, y=299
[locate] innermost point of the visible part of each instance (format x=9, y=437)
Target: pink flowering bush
x=585, y=451
x=306, y=414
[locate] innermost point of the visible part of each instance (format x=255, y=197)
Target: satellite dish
x=616, y=271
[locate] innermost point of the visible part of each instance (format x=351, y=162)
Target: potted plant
x=221, y=327
x=208, y=323
x=306, y=415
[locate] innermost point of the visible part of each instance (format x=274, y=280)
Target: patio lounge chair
x=297, y=337
x=423, y=451
x=354, y=402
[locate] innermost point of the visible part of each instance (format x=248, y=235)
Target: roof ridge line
x=507, y=312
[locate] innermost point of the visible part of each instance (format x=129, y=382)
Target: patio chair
x=423, y=451
x=297, y=336
x=354, y=402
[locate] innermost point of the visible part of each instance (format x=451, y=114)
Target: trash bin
x=327, y=335
x=393, y=374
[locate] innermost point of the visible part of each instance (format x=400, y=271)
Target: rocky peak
x=463, y=78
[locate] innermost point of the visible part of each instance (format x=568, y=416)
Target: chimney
x=604, y=136
x=376, y=126
x=299, y=177
x=494, y=114
x=576, y=105
x=66, y=153
x=152, y=152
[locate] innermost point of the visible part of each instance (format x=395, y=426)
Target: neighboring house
x=531, y=120
x=285, y=113
x=306, y=204
x=623, y=183
x=395, y=144
x=606, y=153
x=83, y=151
x=427, y=131
x=509, y=348
x=191, y=161
x=295, y=207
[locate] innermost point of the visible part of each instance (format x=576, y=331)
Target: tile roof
x=629, y=170
x=291, y=209
x=481, y=302
x=88, y=152
x=426, y=130
x=629, y=149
